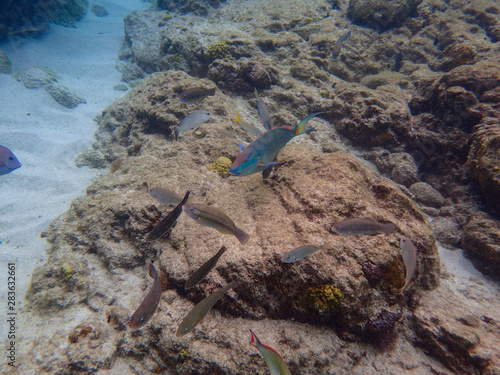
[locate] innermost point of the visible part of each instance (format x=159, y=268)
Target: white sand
x=46, y=137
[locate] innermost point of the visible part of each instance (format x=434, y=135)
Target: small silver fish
x=192, y=121
x=303, y=251
x=356, y=227
x=409, y=254
x=265, y=117
x=215, y=218
x=203, y=271
x=198, y=312
x=8, y=161
x=165, y=196
x=338, y=45
x=148, y=306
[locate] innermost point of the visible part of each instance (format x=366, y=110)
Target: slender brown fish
x=409, y=254
x=195, y=94
x=203, y=271
x=215, y=218
x=148, y=307
x=166, y=224
x=355, y=227
x=198, y=312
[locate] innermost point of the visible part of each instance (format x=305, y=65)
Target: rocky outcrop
x=481, y=243
x=27, y=17
x=100, y=245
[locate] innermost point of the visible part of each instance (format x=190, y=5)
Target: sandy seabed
x=47, y=137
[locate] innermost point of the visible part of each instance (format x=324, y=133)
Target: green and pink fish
x=261, y=153
x=276, y=364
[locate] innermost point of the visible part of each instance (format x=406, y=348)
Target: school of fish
x=255, y=157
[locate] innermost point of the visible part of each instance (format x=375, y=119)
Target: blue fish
x=8, y=161
x=261, y=153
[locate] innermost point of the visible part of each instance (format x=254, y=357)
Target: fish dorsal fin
x=241, y=145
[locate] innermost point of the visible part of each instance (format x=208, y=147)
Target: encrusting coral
x=324, y=297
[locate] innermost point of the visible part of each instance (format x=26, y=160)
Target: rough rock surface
x=31, y=17
x=99, y=252
x=427, y=195
x=481, y=242
x=64, y=96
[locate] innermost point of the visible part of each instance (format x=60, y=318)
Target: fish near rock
x=203, y=271
x=303, y=251
x=265, y=117
x=8, y=161
x=195, y=94
x=199, y=312
x=337, y=47
x=148, y=306
x=164, y=226
x=165, y=196
x=215, y=218
x=361, y=226
x=274, y=362
x=192, y=121
x=409, y=254
x=261, y=153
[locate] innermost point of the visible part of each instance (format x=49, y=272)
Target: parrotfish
x=276, y=364
x=249, y=127
x=203, y=271
x=165, y=225
x=262, y=152
x=8, y=161
x=303, y=251
x=148, y=307
x=338, y=45
x=165, y=196
x=195, y=94
x=215, y=218
x=409, y=254
x=192, y=121
x=198, y=312
x=265, y=117
x=356, y=227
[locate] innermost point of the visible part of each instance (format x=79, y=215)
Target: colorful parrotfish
x=261, y=153
x=276, y=364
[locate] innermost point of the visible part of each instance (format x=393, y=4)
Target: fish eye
x=11, y=158
x=191, y=208
x=141, y=320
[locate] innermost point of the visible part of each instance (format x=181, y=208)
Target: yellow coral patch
x=221, y=166
x=324, y=297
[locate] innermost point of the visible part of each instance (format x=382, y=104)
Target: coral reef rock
x=481, y=242
x=96, y=272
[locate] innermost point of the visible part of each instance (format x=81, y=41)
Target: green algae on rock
x=218, y=50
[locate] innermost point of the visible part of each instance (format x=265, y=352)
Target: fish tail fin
x=302, y=126
x=254, y=340
x=152, y=271
x=221, y=251
x=211, y=92
x=389, y=228
x=256, y=93
x=242, y=236
x=177, y=133
x=238, y=117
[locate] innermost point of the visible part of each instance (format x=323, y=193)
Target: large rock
x=481, y=242
x=381, y=15
x=484, y=160
x=99, y=252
